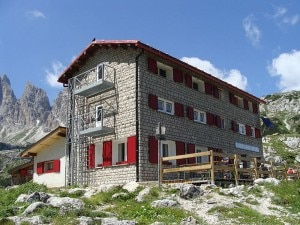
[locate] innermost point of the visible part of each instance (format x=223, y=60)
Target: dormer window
x=165, y=71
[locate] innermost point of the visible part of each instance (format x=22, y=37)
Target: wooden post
x=236, y=173
x=271, y=168
x=285, y=171
x=212, y=172
x=255, y=167
x=160, y=171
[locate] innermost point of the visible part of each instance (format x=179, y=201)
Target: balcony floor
x=94, y=88
x=96, y=131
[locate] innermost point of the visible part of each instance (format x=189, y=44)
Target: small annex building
x=22, y=173
x=48, y=159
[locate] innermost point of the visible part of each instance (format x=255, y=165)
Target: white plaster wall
x=54, y=151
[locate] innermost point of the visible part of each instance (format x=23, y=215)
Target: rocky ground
x=204, y=203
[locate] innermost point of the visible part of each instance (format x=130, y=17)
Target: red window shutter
x=216, y=92
x=191, y=150
x=255, y=107
x=208, y=88
x=210, y=118
x=107, y=153
x=188, y=80
x=152, y=66
x=248, y=130
x=257, y=133
x=179, y=110
x=56, y=165
x=23, y=172
x=180, y=151
x=131, y=149
x=153, y=102
x=190, y=112
x=218, y=121
x=177, y=76
x=40, y=168
x=233, y=126
x=153, y=149
x=91, y=156
x=233, y=100
x=246, y=105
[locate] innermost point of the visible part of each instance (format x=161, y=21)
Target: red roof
x=93, y=46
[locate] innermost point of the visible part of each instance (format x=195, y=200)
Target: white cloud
x=279, y=12
x=291, y=20
x=35, y=14
x=253, y=33
x=52, y=76
x=232, y=76
x=286, y=67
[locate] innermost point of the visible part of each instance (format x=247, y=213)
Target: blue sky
x=252, y=44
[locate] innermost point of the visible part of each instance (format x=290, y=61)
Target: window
x=240, y=102
x=199, y=116
x=252, y=132
x=165, y=106
x=198, y=84
x=222, y=94
x=165, y=71
x=48, y=166
x=223, y=124
x=99, y=116
x=195, y=86
x=121, y=152
x=100, y=69
x=198, y=159
x=165, y=150
x=242, y=128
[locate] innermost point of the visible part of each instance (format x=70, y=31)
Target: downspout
x=137, y=114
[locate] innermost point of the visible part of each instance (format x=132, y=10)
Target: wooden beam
x=187, y=168
x=186, y=156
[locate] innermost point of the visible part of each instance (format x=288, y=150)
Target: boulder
x=84, y=220
x=189, y=191
x=272, y=180
x=18, y=220
x=158, y=223
x=164, y=203
x=33, y=207
x=22, y=198
x=38, y=197
x=70, y=203
x=142, y=194
x=131, y=186
x=189, y=221
x=119, y=195
x=115, y=221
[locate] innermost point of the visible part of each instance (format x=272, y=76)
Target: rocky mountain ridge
x=25, y=120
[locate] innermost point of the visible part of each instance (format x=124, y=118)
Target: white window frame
x=242, y=128
x=164, y=150
x=102, y=72
x=200, y=84
x=201, y=159
x=168, y=69
x=240, y=102
x=100, y=122
x=125, y=151
x=252, y=131
x=164, y=105
x=250, y=106
x=223, y=123
x=197, y=118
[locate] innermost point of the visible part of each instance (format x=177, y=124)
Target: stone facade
x=122, y=103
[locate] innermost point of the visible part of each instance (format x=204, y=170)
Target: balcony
x=94, y=81
x=97, y=123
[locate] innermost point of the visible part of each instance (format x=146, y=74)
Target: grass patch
x=242, y=214
x=287, y=194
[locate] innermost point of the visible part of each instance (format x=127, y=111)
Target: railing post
x=255, y=168
x=236, y=173
x=212, y=172
x=285, y=171
x=160, y=171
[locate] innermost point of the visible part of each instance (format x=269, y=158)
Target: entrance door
x=99, y=116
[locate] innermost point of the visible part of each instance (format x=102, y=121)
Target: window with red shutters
x=40, y=168
x=107, y=153
x=152, y=66
x=153, y=149
x=131, y=149
x=153, y=101
x=56, y=165
x=23, y=172
x=188, y=80
x=255, y=108
x=177, y=75
x=208, y=88
x=190, y=113
x=91, y=157
x=179, y=109
x=234, y=126
x=246, y=104
x=248, y=130
x=257, y=133
x=180, y=151
x=191, y=150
